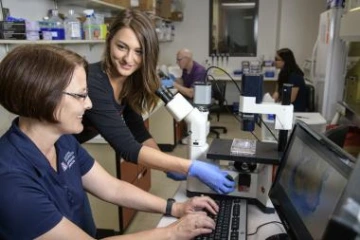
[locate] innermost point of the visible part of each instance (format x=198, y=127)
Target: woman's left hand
x=196, y=204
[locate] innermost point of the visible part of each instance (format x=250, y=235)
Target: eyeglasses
x=179, y=59
x=79, y=96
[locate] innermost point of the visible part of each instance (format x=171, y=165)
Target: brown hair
x=32, y=78
x=139, y=90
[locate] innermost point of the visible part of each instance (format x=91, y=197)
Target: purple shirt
x=197, y=74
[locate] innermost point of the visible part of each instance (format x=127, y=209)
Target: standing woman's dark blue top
x=291, y=73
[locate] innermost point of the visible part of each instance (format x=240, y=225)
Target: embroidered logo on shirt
x=69, y=160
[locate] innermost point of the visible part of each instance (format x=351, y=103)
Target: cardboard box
x=177, y=16
x=164, y=8
x=147, y=5
x=122, y=3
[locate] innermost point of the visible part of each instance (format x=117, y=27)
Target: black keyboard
x=230, y=221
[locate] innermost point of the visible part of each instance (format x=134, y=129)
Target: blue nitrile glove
x=172, y=77
x=212, y=176
x=176, y=176
x=167, y=82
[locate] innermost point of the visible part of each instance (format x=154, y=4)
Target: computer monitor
x=311, y=177
x=345, y=221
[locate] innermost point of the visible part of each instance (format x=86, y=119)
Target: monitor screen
x=311, y=178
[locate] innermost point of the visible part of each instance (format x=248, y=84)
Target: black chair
x=218, y=89
x=338, y=134
x=310, y=105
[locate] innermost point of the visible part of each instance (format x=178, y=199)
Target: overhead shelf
x=93, y=4
x=19, y=42
x=349, y=27
x=90, y=43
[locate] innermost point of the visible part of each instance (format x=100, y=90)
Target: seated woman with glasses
x=290, y=73
x=44, y=171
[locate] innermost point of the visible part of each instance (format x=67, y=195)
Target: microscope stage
x=265, y=153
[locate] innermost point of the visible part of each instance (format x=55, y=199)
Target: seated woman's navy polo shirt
x=33, y=196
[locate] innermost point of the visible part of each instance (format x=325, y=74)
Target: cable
x=250, y=234
x=224, y=100
x=211, y=67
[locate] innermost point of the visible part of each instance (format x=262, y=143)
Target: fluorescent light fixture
x=354, y=9
x=243, y=4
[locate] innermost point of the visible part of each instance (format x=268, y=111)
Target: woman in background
x=122, y=87
x=290, y=73
x=44, y=171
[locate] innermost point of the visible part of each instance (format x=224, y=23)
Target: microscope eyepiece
x=165, y=95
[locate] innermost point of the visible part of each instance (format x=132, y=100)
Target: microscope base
x=254, y=186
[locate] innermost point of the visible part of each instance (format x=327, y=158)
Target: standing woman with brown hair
x=122, y=86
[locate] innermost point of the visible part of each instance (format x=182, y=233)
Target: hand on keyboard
x=192, y=225
x=196, y=204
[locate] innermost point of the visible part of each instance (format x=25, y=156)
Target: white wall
x=193, y=32
x=299, y=24
x=29, y=9
x=282, y=23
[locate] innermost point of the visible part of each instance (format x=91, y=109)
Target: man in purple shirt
x=191, y=72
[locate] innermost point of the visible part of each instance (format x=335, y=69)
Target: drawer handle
x=142, y=173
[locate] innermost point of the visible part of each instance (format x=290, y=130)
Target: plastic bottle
x=57, y=26
x=72, y=26
x=89, y=24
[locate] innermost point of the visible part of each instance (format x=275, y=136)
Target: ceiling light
x=243, y=4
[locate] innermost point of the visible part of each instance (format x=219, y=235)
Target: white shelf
x=19, y=42
x=92, y=4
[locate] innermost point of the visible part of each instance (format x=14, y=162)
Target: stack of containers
x=269, y=69
x=99, y=21
x=32, y=30
x=94, y=27
x=12, y=30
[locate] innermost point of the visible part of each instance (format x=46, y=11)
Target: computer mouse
x=278, y=236
x=229, y=177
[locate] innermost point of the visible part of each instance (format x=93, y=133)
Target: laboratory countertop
x=255, y=218
x=351, y=111
x=224, y=77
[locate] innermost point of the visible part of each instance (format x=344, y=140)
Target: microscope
x=196, y=118
x=253, y=173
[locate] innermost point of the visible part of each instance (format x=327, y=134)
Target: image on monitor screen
x=310, y=182
x=312, y=185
